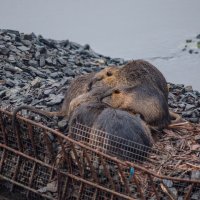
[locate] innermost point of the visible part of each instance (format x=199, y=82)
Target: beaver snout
x=92, y=82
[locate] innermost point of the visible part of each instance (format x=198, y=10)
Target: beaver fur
x=113, y=131
x=143, y=99
x=93, y=96
x=121, y=134
x=134, y=73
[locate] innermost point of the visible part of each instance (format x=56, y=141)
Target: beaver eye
x=109, y=73
x=116, y=91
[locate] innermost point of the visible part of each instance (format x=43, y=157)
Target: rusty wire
x=32, y=161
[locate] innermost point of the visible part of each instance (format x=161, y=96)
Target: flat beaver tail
x=33, y=109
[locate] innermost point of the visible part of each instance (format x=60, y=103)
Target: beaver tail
x=33, y=109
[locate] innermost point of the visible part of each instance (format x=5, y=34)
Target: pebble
x=3, y=50
x=168, y=183
x=23, y=48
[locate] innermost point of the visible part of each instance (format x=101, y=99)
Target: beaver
x=122, y=134
x=143, y=99
x=134, y=73
x=95, y=95
x=77, y=87
x=113, y=131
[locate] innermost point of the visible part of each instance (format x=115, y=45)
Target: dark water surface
x=155, y=30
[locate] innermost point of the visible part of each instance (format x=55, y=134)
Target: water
x=154, y=30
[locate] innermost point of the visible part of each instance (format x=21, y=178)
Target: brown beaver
x=112, y=131
x=134, y=73
x=92, y=96
x=77, y=87
x=143, y=99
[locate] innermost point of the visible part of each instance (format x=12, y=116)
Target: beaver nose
x=92, y=82
x=104, y=95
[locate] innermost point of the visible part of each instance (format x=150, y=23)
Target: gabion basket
x=37, y=162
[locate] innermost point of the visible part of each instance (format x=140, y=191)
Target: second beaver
x=143, y=99
x=111, y=131
x=134, y=73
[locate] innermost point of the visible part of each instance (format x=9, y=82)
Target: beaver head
x=90, y=97
x=108, y=76
x=141, y=99
x=118, y=98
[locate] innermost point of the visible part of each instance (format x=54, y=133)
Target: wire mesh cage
x=41, y=163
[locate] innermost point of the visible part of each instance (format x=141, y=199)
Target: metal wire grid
x=81, y=166
x=113, y=145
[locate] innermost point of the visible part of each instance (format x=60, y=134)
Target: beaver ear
x=109, y=73
x=116, y=91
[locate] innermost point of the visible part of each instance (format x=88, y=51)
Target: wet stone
x=33, y=63
x=189, y=107
x=62, y=61
x=49, y=61
x=3, y=50
x=2, y=93
x=23, y=48
x=11, y=59
x=68, y=71
x=168, y=183
x=62, y=125
x=198, y=36
x=197, y=138
x=42, y=62
x=195, y=175
x=10, y=83
x=26, y=43
x=56, y=74
x=174, y=191
x=55, y=99
x=195, y=195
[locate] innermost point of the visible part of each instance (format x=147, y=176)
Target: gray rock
x=197, y=138
x=198, y=36
x=11, y=59
x=47, y=92
x=12, y=69
x=180, y=198
x=187, y=114
x=4, y=50
x=68, y=71
x=174, y=191
x=56, y=74
x=62, y=125
x=193, y=120
x=168, y=183
x=189, y=107
x=42, y=62
x=10, y=83
x=62, y=61
x=55, y=99
x=2, y=93
x=26, y=43
x=29, y=36
x=6, y=38
x=36, y=83
x=49, y=61
x=195, y=196
x=33, y=63
x=23, y=48
x=195, y=175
